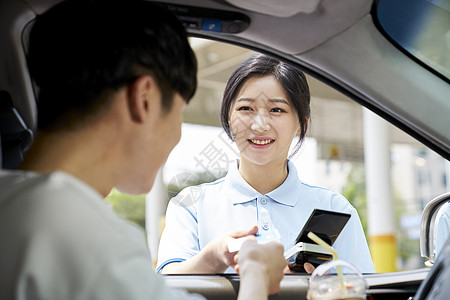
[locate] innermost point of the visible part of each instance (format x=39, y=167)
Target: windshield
x=421, y=28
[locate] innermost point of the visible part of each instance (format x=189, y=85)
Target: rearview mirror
x=435, y=227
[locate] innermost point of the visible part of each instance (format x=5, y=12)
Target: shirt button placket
x=265, y=218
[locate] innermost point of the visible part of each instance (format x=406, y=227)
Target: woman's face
x=263, y=121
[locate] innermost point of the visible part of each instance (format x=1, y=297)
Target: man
x=113, y=78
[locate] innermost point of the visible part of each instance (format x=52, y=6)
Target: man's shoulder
x=57, y=200
x=15, y=183
x=51, y=192
x=10, y=178
x=64, y=211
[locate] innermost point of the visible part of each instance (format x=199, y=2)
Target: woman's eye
x=244, y=108
x=277, y=110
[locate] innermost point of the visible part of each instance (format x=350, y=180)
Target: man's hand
x=261, y=266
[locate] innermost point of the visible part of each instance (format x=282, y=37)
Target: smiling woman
x=266, y=105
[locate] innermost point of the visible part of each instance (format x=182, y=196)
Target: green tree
x=355, y=192
x=131, y=207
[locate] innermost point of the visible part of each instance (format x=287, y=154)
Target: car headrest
x=15, y=136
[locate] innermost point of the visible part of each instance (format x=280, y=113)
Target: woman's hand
x=218, y=248
x=214, y=258
x=309, y=268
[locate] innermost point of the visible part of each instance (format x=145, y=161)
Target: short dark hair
x=80, y=51
x=291, y=78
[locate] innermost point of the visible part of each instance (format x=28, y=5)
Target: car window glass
x=421, y=27
x=332, y=156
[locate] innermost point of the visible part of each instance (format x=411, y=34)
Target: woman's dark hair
x=292, y=79
x=82, y=50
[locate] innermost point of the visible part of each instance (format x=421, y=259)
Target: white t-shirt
x=59, y=240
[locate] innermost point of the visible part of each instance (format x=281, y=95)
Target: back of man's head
x=82, y=50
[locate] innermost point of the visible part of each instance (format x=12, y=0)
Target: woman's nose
x=260, y=123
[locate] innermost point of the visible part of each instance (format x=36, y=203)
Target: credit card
x=264, y=237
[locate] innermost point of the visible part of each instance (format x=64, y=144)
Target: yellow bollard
x=383, y=249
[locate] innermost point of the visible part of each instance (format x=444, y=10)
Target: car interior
x=343, y=44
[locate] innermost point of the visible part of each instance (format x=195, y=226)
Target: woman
x=265, y=106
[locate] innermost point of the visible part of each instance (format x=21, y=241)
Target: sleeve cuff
x=161, y=266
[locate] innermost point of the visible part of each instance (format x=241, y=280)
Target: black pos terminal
x=325, y=224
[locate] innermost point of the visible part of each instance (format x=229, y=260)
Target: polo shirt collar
x=288, y=193
x=239, y=191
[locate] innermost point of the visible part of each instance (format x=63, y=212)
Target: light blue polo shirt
x=199, y=214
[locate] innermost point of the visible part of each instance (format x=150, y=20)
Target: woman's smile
x=261, y=142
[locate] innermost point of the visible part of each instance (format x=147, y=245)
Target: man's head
x=81, y=52
x=113, y=78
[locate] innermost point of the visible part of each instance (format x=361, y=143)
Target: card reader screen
x=325, y=224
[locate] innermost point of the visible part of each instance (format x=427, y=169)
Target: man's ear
x=141, y=95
